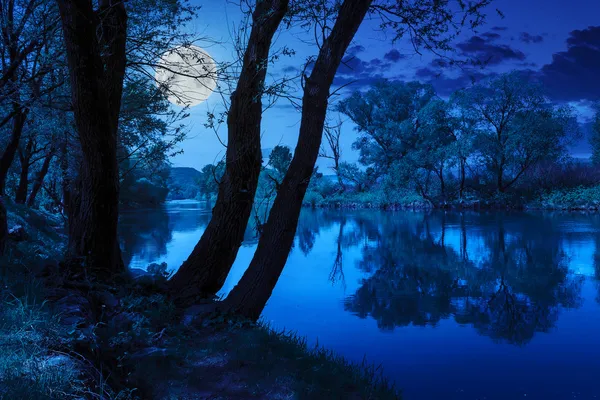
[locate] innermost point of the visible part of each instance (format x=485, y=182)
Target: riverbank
x=577, y=199
x=64, y=338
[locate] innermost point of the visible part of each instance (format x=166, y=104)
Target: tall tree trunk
x=206, y=269
x=39, y=179
x=13, y=145
x=250, y=295
x=3, y=227
x=463, y=162
x=25, y=161
x=21, y=193
x=95, y=43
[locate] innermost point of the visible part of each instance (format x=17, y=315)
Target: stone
x=17, y=233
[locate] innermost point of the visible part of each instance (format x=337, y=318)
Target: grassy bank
x=64, y=340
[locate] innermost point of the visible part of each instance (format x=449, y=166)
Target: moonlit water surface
x=452, y=305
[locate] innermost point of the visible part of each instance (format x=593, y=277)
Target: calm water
x=452, y=305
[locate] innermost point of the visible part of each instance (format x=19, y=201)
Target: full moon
x=189, y=73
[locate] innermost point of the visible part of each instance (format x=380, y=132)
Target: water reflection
x=509, y=286
x=488, y=305
x=145, y=234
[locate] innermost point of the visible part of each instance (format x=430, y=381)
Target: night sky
x=554, y=41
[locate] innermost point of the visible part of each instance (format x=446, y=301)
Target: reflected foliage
x=505, y=276
x=146, y=233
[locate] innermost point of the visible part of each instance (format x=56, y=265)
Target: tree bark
x=3, y=227
x=205, y=270
x=25, y=161
x=39, y=179
x=250, y=295
x=95, y=43
x=13, y=145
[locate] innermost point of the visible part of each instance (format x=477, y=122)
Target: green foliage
x=518, y=126
x=580, y=198
x=595, y=138
x=487, y=139
x=183, y=183
x=210, y=177
x=280, y=159
x=385, y=121
x=144, y=187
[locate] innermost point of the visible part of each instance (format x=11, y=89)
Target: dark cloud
x=499, y=28
x=290, y=69
x=445, y=84
x=491, y=36
x=361, y=73
x=393, y=55
x=574, y=74
x=487, y=51
x=354, y=50
x=529, y=38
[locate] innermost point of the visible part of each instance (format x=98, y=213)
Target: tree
x=431, y=152
x=95, y=42
x=250, y=295
x=28, y=54
x=280, y=159
x=361, y=180
x=3, y=227
x=465, y=130
x=518, y=126
x=205, y=270
x=430, y=23
x=332, y=136
x=386, y=121
x=210, y=178
x=595, y=138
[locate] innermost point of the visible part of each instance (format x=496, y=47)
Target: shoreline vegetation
x=574, y=199
x=62, y=339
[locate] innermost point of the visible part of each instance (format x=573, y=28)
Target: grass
x=141, y=350
x=227, y=358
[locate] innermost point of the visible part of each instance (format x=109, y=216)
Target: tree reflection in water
x=510, y=286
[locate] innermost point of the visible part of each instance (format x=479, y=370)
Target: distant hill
x=183, y=183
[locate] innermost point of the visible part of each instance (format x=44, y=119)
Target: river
x=471, y=305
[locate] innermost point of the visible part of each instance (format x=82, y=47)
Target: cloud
x=354, y=50
x=499, y=28
x=445, y=84
x=529, y=38
x=573, y=74
x=290, y=69
x=485, y=50
x=360, y=73
x=393, y=55
x=491, y=36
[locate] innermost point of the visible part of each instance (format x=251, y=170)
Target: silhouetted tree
x=519, y=127
x=431, y=24
x=205, y=270
x=250, y=295
x=95, y=42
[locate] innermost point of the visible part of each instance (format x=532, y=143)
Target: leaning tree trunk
x=250, y=295
x=95, y=44
x=205, y=271
x=39, y=179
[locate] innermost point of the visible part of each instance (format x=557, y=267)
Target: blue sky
x=557, y=41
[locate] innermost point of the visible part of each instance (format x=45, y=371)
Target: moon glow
x=189, y=75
